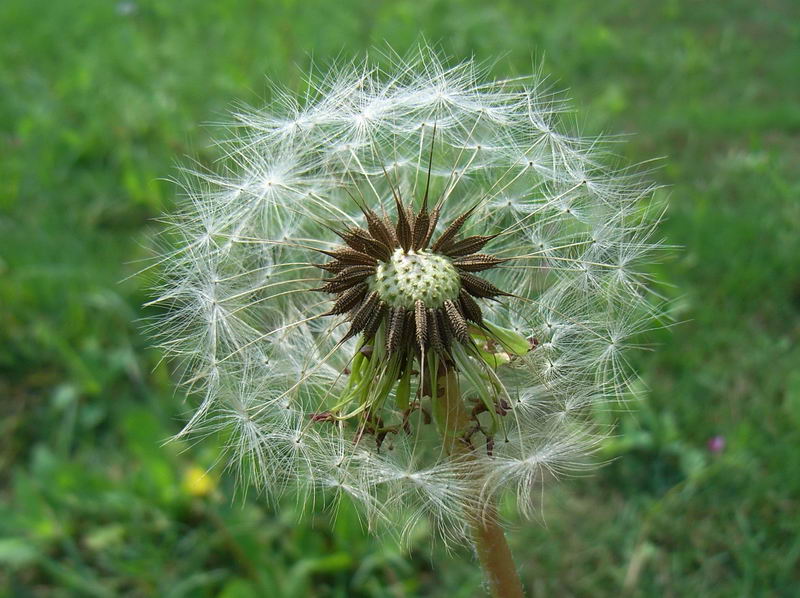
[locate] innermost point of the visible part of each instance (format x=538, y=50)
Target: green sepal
x=403, y=392
x=513, y=342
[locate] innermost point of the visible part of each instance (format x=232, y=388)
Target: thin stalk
x=490, y=542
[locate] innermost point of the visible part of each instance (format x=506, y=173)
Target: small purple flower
x=716, y=444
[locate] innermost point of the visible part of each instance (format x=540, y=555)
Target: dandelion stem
x=490, y=542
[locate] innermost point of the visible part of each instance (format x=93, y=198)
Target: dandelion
x=407, y=288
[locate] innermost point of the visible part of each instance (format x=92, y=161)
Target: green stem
x=490, y=542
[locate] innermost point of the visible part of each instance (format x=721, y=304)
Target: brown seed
x=421, y=321
x=388, y=224
x=351, y=237
x=478, y=287
x=456, y=322
x=350, y=256
x=360, y=240
x=452, y=230
x=378, y=228
x=375, y=320
x=432, y=222
x=347, y=278
x=348, y=299
x=403, y=227
x=433, y=331
x=466, y=246
x=470, y=307
x=331, y=267
x=444, y=330
x=395, y=333
x=351, y=271
x=334, y=287
x=477, y=262
x=409, y=332
x=361, y=316
x=421, y=225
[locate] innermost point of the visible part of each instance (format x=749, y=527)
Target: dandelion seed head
x=392, y=223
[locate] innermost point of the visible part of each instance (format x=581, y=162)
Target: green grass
x=99, y=101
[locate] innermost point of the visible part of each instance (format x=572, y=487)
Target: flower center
x=416, y=276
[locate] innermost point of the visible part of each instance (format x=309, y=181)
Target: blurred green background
x=99, y=101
